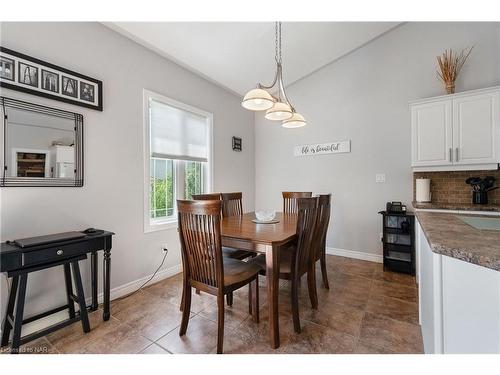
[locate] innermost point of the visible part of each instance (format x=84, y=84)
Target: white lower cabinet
x=459, y=303
x=471, y=308
x=429, y=295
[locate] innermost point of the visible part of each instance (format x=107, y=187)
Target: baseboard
x=355, y=254
x=117, y=292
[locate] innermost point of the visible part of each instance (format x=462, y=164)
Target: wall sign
x=25, y=73
x=323, y=148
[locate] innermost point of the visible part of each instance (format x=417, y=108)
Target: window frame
x=153, y=225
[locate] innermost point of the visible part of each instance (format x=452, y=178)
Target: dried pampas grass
x=450, y=64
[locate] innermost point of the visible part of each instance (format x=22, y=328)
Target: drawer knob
x=59, y=252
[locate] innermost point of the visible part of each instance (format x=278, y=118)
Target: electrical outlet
x=380, y=177
x=164, y=247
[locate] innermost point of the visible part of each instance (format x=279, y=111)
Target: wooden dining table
x=240, y=232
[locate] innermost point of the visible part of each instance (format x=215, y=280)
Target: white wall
x=364, y=97
x=112, y=197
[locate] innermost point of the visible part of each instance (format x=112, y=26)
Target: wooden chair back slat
x=290, y=200
x=200, y=236
x=231, y=204
x=306, y=224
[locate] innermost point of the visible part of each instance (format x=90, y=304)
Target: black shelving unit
x=399, y=241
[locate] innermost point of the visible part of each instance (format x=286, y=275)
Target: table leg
x=272, y=275
x=9, y=313
x=106, y=283
x=18, y=318
x=93, y=276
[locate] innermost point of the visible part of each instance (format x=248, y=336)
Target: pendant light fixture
x=278, y=108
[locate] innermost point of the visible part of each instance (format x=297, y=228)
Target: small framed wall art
x=236, y=144
x=33, y=76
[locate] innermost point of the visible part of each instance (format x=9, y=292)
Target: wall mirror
x=42, y=146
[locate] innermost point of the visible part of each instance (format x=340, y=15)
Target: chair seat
x=237, y=271
x=285, y=261
x=228, y=252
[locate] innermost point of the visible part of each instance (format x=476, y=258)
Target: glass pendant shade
x=279, y=112
x=257, y=100
x=296, y=121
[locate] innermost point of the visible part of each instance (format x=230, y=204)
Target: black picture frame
x=38, y=90
x=8, y=181
x=237, y=144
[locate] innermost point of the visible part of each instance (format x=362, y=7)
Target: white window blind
x=177, y=133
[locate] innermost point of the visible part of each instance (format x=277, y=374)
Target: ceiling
x=238, y=55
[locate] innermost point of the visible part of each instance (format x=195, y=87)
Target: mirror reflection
x=41, y=145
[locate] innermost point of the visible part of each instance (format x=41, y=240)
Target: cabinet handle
x=456, y=154
x=451, y=155
x=59, y=252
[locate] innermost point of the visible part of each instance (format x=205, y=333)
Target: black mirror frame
x=6, y=181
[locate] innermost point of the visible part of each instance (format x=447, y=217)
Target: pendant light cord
x=277, y=44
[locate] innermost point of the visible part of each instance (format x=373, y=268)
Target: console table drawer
x=53, y=253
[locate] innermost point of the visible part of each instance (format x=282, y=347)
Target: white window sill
x=160, y=225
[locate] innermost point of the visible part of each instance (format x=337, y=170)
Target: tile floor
x=365, y=311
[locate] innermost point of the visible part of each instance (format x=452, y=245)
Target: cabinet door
x=476, y=128
x=431, y=133
x=471, y=308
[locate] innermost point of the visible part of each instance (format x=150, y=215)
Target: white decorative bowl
x=265, y=215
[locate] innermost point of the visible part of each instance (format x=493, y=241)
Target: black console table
x=15, y=259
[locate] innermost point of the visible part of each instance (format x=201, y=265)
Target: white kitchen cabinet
x=456, y=132
x=459, y=303
x=475, y=128
x=432, y=133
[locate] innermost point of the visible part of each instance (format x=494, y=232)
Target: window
x=177, y=145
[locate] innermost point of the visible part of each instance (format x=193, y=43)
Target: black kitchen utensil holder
x=480, y=197
x=480, y=188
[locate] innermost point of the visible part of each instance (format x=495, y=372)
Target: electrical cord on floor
x=147, y=281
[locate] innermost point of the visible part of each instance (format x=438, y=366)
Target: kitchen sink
x=482, y=223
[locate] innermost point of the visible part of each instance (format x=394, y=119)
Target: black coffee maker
x=480, y=188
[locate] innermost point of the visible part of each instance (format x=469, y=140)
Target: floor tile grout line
x=357, y=338
x=88, y=343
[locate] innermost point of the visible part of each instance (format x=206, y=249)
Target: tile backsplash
x=450, y=187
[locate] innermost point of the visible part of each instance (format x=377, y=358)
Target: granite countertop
x=457, y=206
x=448, y=235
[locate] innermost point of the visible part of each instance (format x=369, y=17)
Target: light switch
x=380, y=177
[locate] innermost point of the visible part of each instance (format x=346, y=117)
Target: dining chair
x=231, y=204
x=226, y=251
x=290, y=200
x=322, y=221
x=229, y=252
x=204, y=266
x=299, y=259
